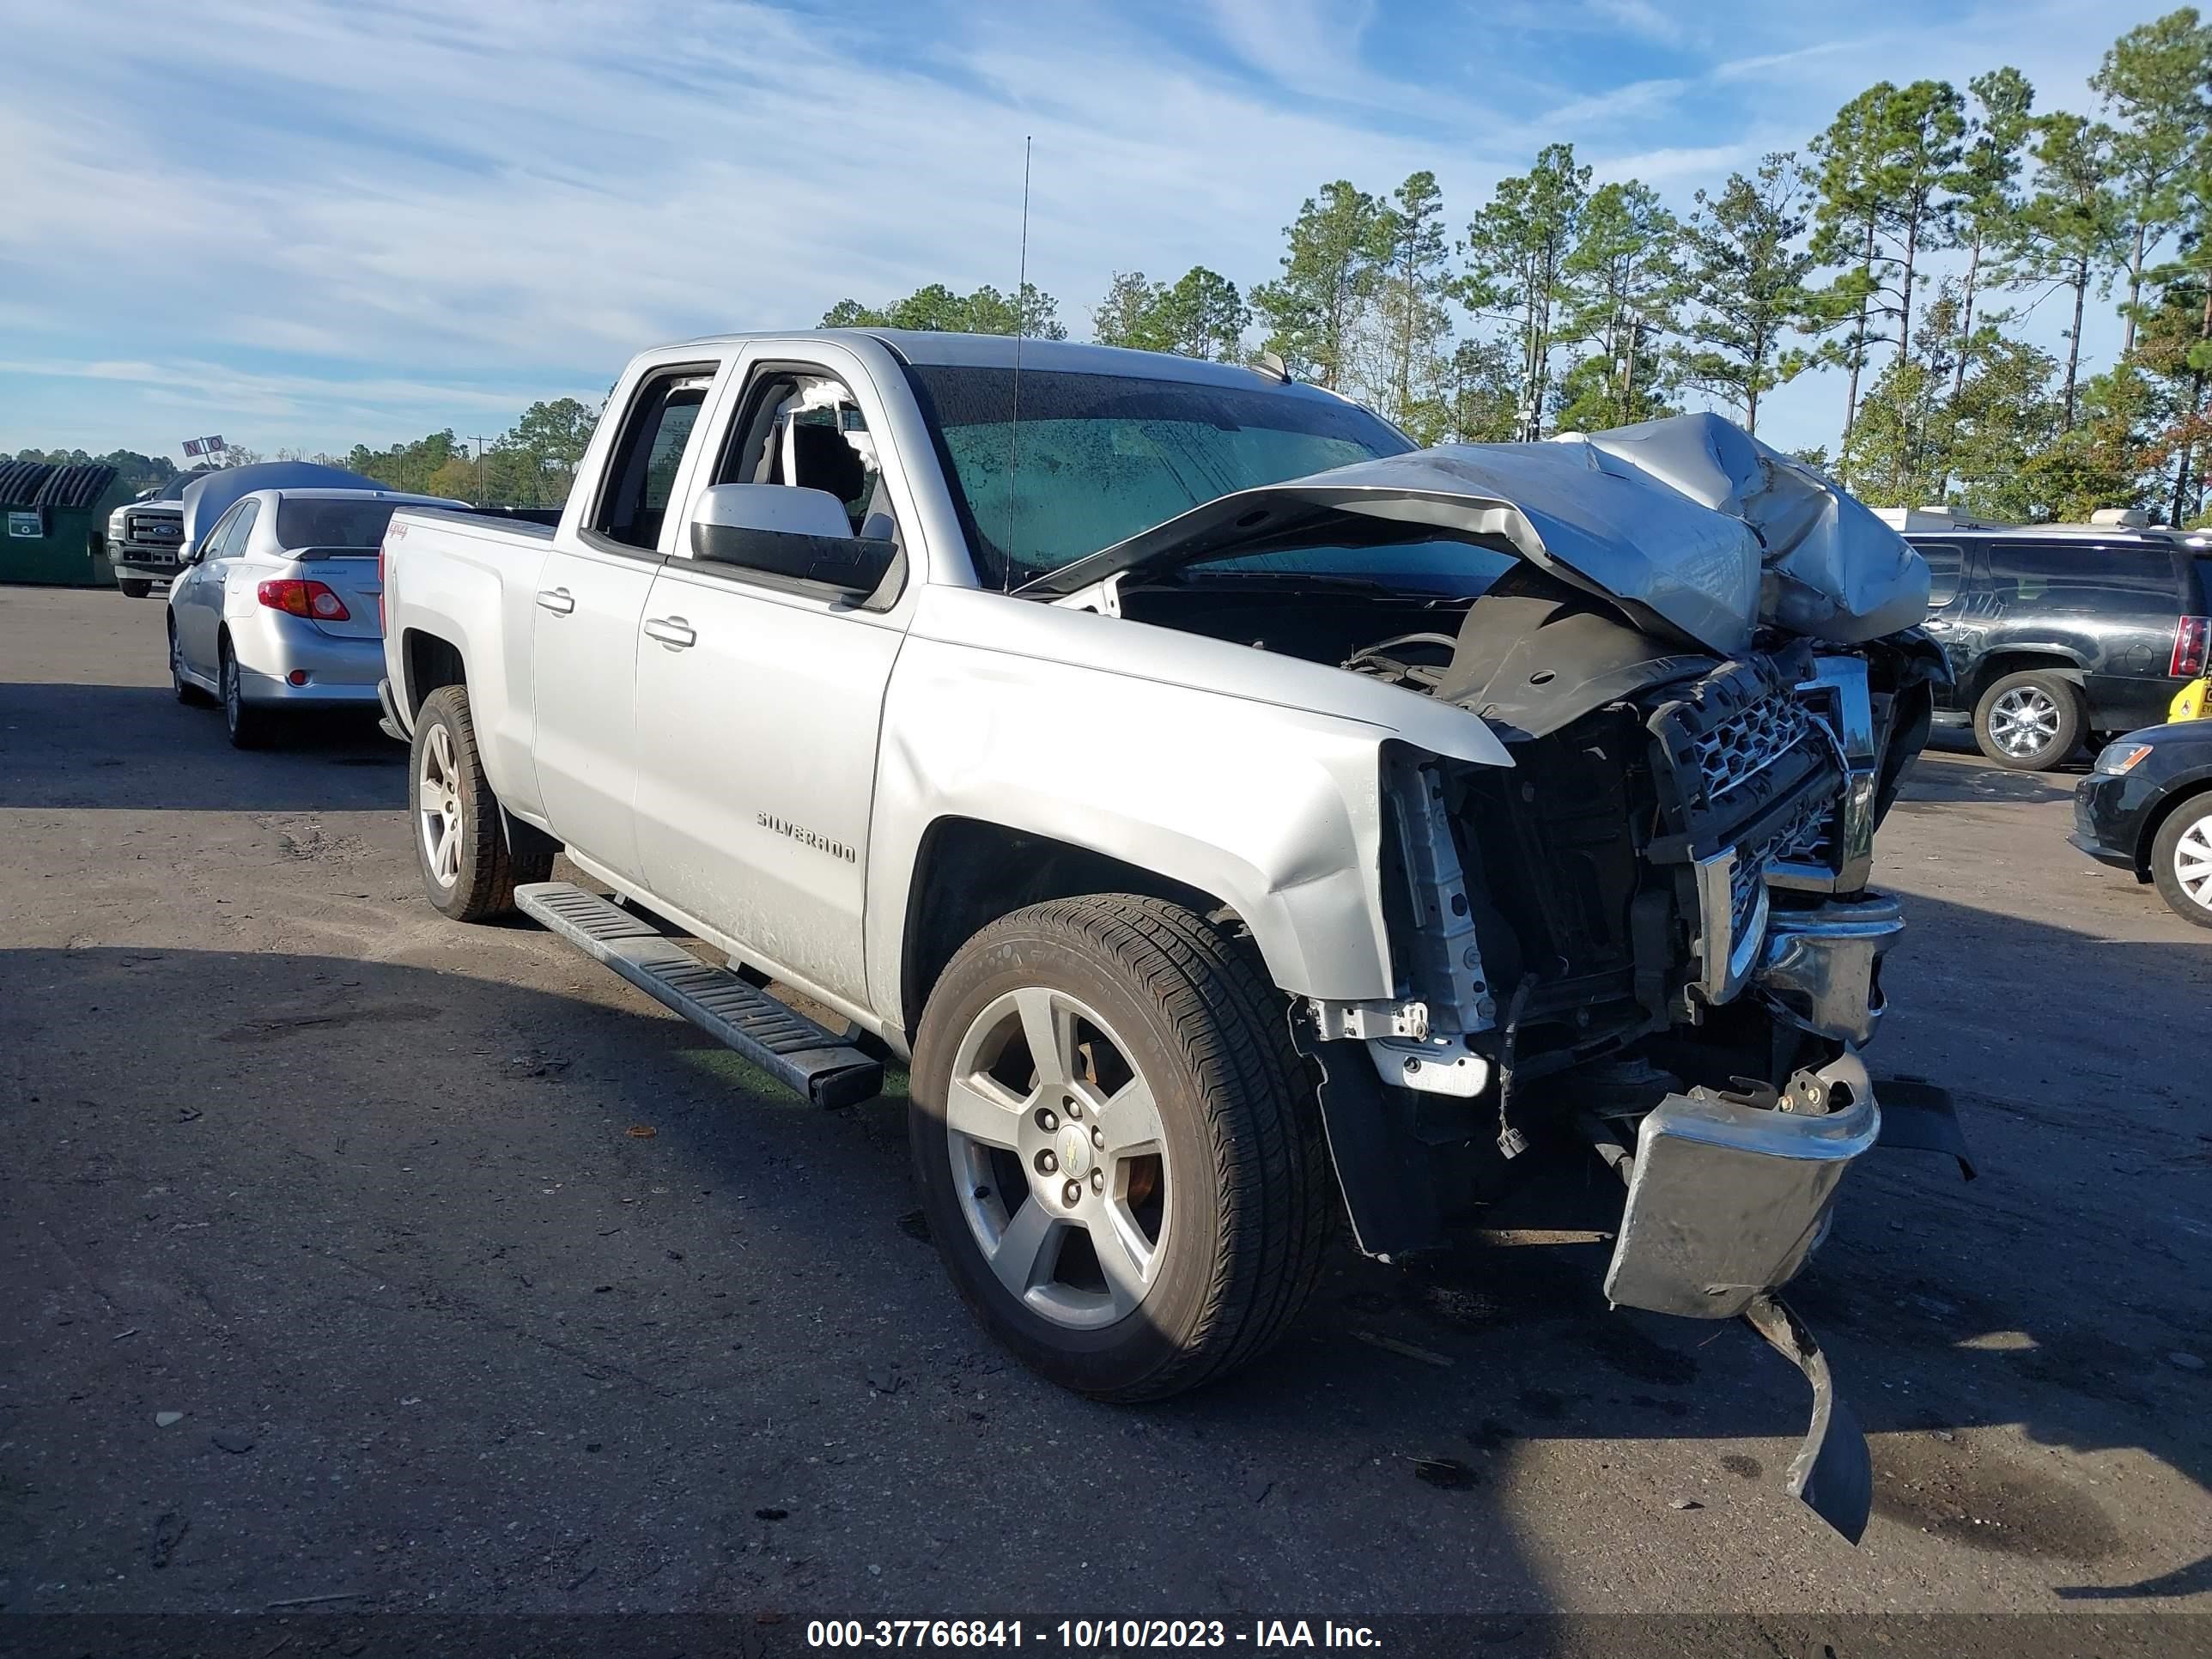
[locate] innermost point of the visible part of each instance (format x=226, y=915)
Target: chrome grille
x=1751, y=740
x=155, y=527
x=1811, y=838
x=1747, y=881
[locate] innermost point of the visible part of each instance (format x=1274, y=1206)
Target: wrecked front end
x=1653, y=935
x=1670, y=952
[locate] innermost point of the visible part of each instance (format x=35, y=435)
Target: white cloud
x=381, y=219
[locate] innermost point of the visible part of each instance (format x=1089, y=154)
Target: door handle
x=672, y=631
x=559, y=600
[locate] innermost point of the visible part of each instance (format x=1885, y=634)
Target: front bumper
x=2107, y=810
x=1725, y=1201
x=1820, y=967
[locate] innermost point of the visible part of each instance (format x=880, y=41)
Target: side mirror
x=193, y=554
x=802, y=535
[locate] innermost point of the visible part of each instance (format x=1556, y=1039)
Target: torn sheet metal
x=1688, y=521
x=1920, y=1116
x=1833, y=1472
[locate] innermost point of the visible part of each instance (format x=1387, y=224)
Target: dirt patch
x=1987, y=1503
x=1739, y=1464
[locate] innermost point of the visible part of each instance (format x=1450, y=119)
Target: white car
x=278, y=606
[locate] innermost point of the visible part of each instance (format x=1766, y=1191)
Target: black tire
x=134, y=590
x=2191, y=823
x=250, y=726
x=2057, y=702
x=1246, y=1171
x=185, y=691
x=485, y=872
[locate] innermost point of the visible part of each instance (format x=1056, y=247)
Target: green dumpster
x=54, y=524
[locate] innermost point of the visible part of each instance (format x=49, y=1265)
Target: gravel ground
x=348, y=1252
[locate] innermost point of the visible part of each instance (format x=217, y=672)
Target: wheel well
x=969, y=873
x=1998, y=663
x=2156, y=822
x=430, y=663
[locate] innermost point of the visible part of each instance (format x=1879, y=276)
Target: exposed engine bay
x=1653, y=936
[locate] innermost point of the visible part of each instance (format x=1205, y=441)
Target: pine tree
x=1986, y=190
x=1745, y=281
x=1415, y=320
x=1330, y=270
x=1516, y=252
x=1624, y=283
x=2069, y=229
x=2155, y=79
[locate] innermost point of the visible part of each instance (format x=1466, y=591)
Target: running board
x=775, y=1037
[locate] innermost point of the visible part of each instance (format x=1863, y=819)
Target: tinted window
x=1097, y=458
x=2200, y=602
x=2084, y=575
x=312, y=523
x=634, y=497
x=1944, y=559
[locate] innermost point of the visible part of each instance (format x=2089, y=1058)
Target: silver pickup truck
x=1239, y=819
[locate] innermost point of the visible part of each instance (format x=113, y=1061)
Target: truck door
x=760, y=701
x=589, y=600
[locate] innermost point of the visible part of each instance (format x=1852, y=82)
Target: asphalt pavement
x=348, y=1252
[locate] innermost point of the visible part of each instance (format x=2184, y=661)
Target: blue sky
x=317, y=223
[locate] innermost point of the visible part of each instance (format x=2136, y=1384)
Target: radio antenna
x=1014, y=426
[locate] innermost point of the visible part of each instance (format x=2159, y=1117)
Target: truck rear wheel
x=1117, y=1147
x=468, y=872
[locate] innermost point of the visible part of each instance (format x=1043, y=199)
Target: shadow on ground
x=136, y=748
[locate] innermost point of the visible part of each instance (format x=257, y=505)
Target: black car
x=2147, y=808
x=2061, y=634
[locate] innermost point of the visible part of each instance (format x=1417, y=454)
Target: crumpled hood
x=1688, y=520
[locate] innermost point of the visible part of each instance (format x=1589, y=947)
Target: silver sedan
x=280, y=607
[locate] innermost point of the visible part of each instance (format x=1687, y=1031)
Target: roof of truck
x=933, y=348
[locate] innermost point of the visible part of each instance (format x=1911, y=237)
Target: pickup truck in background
x=146, y=535
x=1238, y=818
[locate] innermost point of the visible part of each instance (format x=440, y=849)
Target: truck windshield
x=1102, y=457
x=308, y=521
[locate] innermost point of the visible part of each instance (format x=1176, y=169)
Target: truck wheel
x=250, y=727
x=1117, y=1147
x=467, y=870
x=2029, y=722
x=2181, y=859
x=134, y=590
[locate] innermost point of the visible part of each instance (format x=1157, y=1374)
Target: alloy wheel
x=2024, y=721
x=233, y=700
x=1058, y=1157
x=438, y=807
x=2192, y=861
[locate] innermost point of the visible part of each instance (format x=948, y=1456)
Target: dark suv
x=2059, y=634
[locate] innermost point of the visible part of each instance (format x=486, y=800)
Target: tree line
x=1905, y=245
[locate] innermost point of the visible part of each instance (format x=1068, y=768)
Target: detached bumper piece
x=1726, y=1199
x=1833, y=1472
x=777, y=1038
